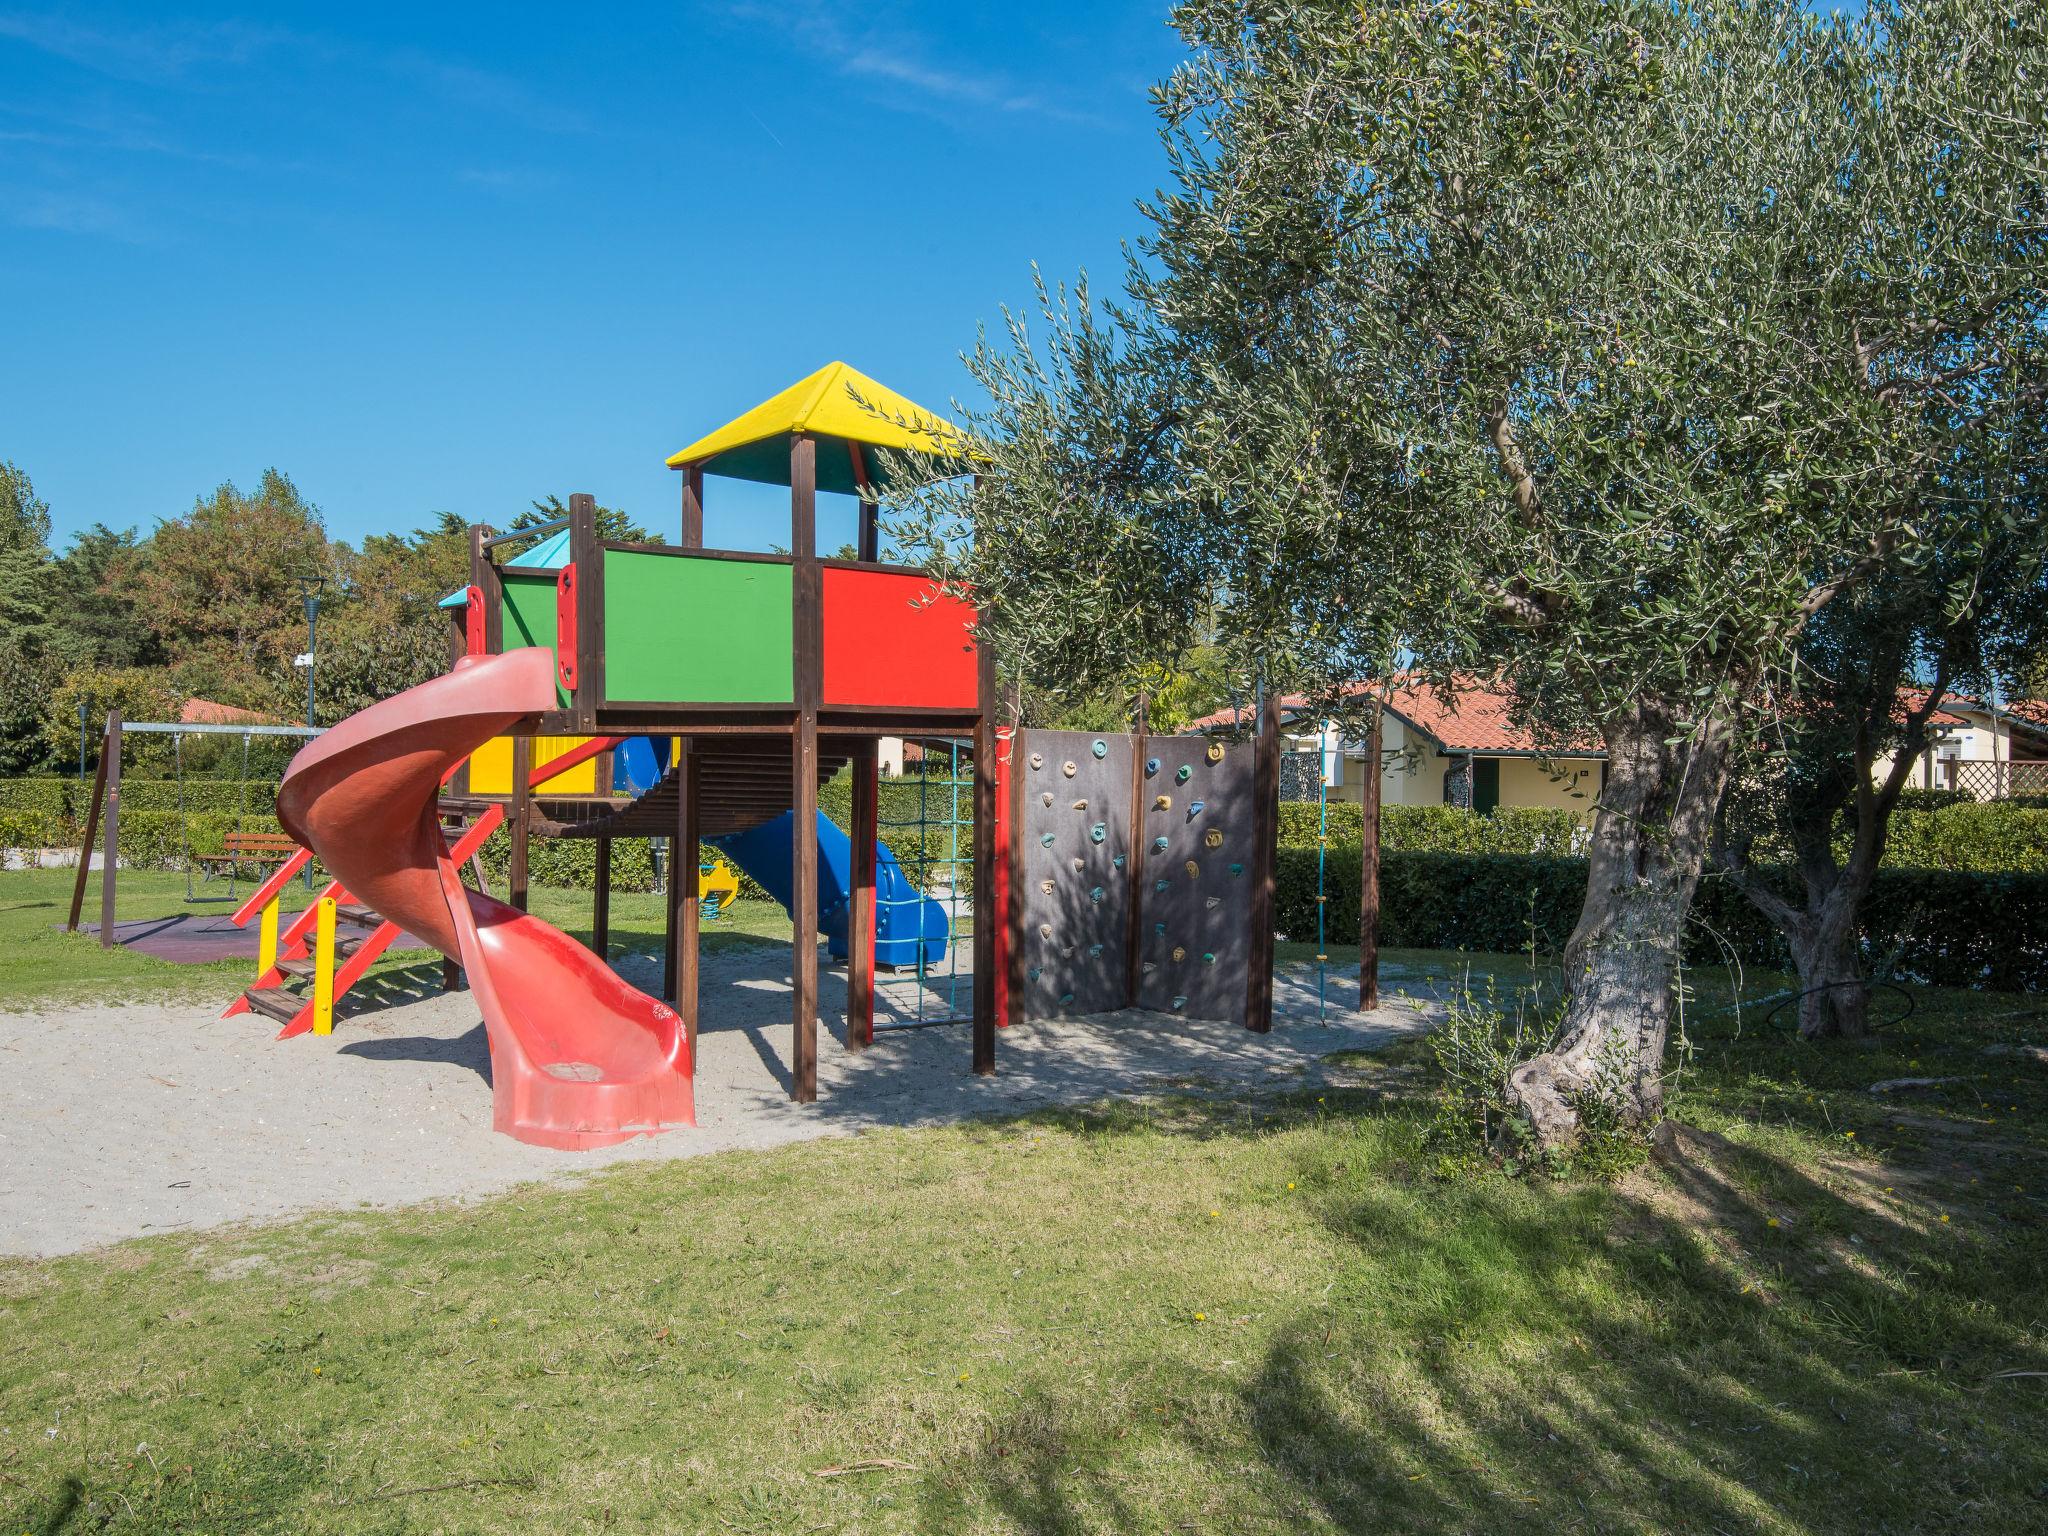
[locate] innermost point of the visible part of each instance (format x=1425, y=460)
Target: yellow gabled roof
x=824, y=404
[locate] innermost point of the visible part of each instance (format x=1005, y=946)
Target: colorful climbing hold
x=1079, y=865
x=1037, y=760
x=1096, y=895
x=1035, y=972
x=1213, y=837
x=1159, y=845
x=1098, y=832
x=1068, y=768
x=1192, y=868
x=1045, y=886
x=1215, y=751
x=1179, y=953
x=1179, y=1003
x=1080, y=805
x=1118, y=861
x=1045, y=930
x=1100, y=748
x=1160, y=929
x=1066, y=999
x=1208, y=957
x=1046, y=799
x=1095, y=951
x=1151, y=766
x=1182, y=774
x=1195, y=808
x=1160, y=885
x=1163, y=803
x=1045, y=840
x=1237, y=869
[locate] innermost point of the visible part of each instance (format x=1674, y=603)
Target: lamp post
x=309, y=591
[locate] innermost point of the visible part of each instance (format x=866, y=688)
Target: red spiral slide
x=578, y=1058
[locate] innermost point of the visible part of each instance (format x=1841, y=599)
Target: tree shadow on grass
x=1653, y=1356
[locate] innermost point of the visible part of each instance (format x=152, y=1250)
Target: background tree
x=95, y=619
x=1567, y=341
x=223, y=586
x=24, y=555
x=611, y=523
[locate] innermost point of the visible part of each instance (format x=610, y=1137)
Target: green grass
x=41, y=965
x=1258, y=1317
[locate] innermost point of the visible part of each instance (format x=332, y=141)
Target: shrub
x=1933, y=799
x=1946, y=928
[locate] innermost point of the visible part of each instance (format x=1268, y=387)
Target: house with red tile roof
x=1988, y=749
x=1439, y=748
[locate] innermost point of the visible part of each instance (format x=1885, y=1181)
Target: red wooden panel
x=891, y=639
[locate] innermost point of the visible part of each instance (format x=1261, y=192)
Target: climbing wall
x=1195, y=909
x=1074, y=864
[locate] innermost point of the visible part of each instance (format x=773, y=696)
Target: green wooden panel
x=530, y=615
x=680, y=630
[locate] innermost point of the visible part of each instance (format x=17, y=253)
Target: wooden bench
x=244, y=848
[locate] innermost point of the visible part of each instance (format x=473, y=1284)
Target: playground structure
x=586, y=699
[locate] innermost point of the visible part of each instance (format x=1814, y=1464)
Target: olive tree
x=1572, y=343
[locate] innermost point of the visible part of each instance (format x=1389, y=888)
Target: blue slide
x=904, y=919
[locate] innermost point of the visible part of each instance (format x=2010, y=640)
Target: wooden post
x=1258, y=1010
x=1010, y=871
x=601, y=903
x=1134, y=903
x=803, y=895
x=1369, y=868
x=92, y=830
x=520, y=815
x=807, y=669
x=985, y=915
x=689, y=904
x=693, y=506
x=803, y=496
x=483, y=575
x=110, y=856
x=860, y=928
x=589, y=562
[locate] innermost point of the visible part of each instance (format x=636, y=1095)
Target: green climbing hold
x=1182, y=774
x=1100, y=749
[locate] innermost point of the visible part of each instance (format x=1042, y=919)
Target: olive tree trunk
x=1651, y=833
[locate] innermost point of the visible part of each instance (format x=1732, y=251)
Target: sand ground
x=122, y=1121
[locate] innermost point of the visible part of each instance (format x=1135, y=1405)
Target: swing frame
x=103, y=816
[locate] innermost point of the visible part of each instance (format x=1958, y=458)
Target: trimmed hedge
x=1943, y=927
x=1553, y=831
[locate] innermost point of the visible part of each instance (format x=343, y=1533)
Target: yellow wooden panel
x=490, y=767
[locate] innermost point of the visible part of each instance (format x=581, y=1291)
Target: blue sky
x=463, y=256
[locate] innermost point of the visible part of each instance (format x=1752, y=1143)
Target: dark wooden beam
x=803, y=896
x=807, y=665
x=803, y=496
x=1258, y=1011
x=1134, y=898
x=110, y=856
x=483, y=575
x=860, y=930
x=588, y=558
x=1012, y=851
x=693, y=506
x=92, y=830
x=686, y=878
x=520, y=814
x=1369, y=868
x=601, y=902
x=985, y=915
